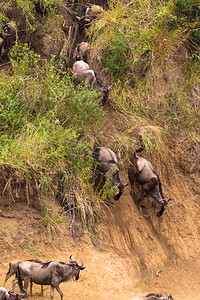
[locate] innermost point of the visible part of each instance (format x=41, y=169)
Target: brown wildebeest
x=83, y=72
x=50, y=273
x=154, y=297
x=13, y=267
x=109, y=167
x=144, y=175
x=80, y=53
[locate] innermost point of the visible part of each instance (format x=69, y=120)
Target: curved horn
x=71, y=261
x=81, y=264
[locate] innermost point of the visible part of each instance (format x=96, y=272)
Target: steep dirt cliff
x=137, y=252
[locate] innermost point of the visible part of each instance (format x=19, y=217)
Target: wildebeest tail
x=160, y=185
x=8, y=270
x=8, y=274
x=138, y=151
x=20, y=281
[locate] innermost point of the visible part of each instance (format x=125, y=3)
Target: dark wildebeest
x=8, y=295
x=80, y=53
x=108, y=166
x=50, y=273
x=13, y=267
x=144, y=175
x=89, y=14
x=154, y=297
x=9, y=35
x=92, y=10
x=2, y=46
x=83, y=23
x=83, y=72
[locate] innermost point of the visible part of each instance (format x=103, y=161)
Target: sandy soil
x=132, y=249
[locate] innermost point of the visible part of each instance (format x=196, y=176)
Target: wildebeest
x=2, y=46
x=89, y=14
x=144, y=175
x=13, y=267
x=83, y=72
x=92, y=10
x=7, y=294
x=83, y=23
x=154, y=297
x=80, y=53
x=50, y=273
x=9, y=35
x=108, y=166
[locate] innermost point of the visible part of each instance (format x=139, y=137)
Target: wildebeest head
x=83, y=22
x=105, y=92
x=117, y=182
x=13, y=296
x=9, y=35
x=162, y=207
x=157, y=194
x=80, y=53
x=76, y=266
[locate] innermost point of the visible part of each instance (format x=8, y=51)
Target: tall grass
x=47, y=129
x=155, y=73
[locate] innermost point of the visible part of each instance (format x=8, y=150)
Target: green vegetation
x=48, y=125
x=46, y=129
x=157, y=69
x=114, y=56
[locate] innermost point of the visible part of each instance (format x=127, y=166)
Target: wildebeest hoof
x=159, y=214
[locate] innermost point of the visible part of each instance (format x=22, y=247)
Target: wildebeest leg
x=52, y=291
x=160, y=207
x=159, y=213
x=14, y=283
x=59, y=291
x=26, y=283
x=42, y=290
x=31, y=287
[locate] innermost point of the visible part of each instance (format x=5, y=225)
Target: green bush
x=183, y=14
x=45, y=122
x=115, y=58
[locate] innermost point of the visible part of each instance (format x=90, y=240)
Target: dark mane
x=152, y=294
x=61, y=262
x=112, y=161
x=160, y=186
x=35, y=260
x=45, y=265
x=84, y=10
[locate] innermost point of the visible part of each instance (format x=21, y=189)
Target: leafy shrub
x=183, y=14
x=47, y=126
x=188, y=15
x=115, y=58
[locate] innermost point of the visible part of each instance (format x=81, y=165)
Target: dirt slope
x=134, y=248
